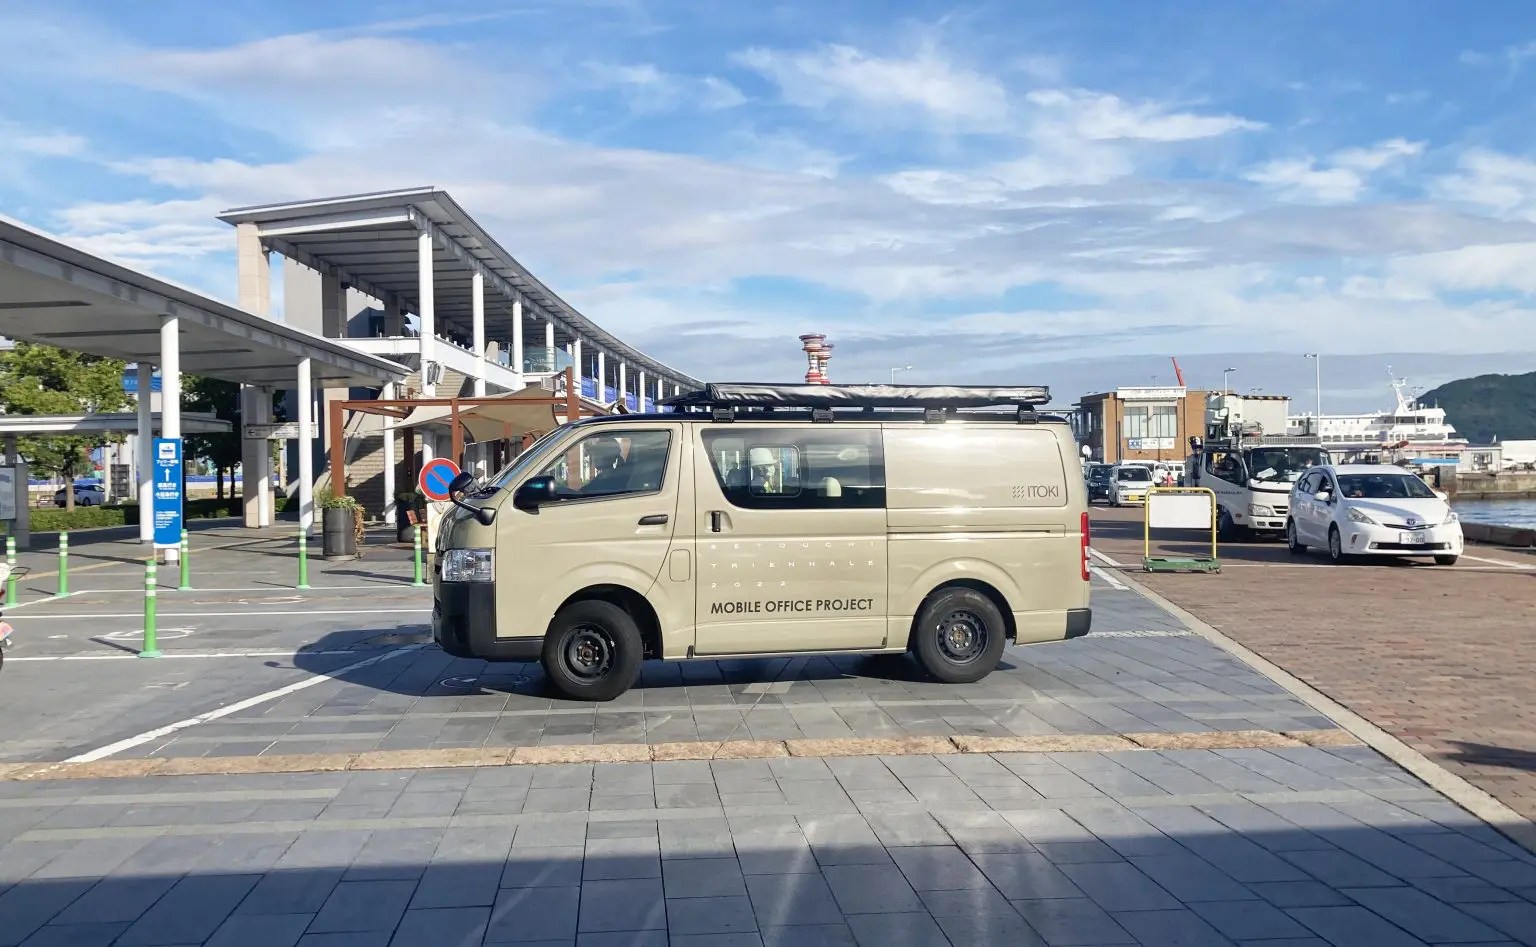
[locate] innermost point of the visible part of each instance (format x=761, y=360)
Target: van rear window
x=798, y=468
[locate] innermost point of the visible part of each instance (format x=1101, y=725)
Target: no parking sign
x=435, y=477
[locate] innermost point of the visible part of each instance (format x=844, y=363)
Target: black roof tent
x=745, y=395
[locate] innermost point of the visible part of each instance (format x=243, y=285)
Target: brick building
x=1152, y=423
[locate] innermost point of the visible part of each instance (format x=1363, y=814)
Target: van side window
x=800, y=468
x=610, y=463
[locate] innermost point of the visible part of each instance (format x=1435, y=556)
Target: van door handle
x=655, y=519
x=714, y=521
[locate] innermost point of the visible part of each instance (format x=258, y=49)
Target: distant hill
x=1489, y=406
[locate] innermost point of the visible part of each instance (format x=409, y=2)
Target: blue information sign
x=167, y=492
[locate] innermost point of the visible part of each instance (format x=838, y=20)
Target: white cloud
x=1504, y=184
x=925, y=83
x=1340, y=178
x=649, y=89
x=1097, y=116
x=36, y=143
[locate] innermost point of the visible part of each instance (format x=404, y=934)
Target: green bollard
x=186, y=565
x=151, y=648
x=303, y=559
x=416, y=557
x=10, y=561
x=63, y=564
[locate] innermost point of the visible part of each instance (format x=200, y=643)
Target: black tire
x=959, y=636
x=592, y=651
x=1226, y=527
x=1446, y=560
x=1291, y=542
x=1336, y=547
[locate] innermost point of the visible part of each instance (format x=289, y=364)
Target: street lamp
x=1226, y=389
x=900, y=368
x=1317, y=361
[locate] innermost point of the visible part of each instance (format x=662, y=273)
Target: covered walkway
x=54, y=293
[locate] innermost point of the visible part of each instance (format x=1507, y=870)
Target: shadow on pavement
x=632, y=854
x=1502, y=757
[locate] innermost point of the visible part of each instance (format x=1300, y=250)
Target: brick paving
x=1442, y=658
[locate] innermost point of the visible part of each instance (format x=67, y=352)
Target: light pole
x=900, y=368
x=1317, y=362
x=1226, y=388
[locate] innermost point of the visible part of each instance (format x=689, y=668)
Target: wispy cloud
x=1098, y=116
x=1341, y=177
x=647, y=88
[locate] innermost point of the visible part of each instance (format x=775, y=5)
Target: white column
x=517, y=335
x=581, y=368
x=549, y=344
x=385, y=394
x=622, y=394
x=660, y=392
x=143, y=461
x=640, y=392
x=170, y=391
x=602, y=378
x=676, y=390
x=477, y=320
x=306, y=401
x=264, y=399
x=425, y=316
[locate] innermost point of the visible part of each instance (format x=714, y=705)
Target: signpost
x=435, y=477
x=286, y=431
x=167, y=493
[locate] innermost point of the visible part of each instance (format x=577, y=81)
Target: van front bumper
x=464, y=624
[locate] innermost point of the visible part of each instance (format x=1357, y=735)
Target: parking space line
x=112, y=749
x=1103, y=558
x=164, y=653
x=1114, y=583
x=251, y=610
x=403, y=583
x=1498, y=562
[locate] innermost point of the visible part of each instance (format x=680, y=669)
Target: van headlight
x=469, y=565
x=1255, y=509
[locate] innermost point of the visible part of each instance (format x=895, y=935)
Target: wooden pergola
x=400, y=409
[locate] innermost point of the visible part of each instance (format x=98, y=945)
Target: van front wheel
x=960, y=636
x=592, y=651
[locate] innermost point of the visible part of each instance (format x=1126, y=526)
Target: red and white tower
x=817, y=352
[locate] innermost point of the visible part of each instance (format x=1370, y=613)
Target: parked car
x=1371, y=510
x=86, y=494
x=1100, y=486
x=1130, y=483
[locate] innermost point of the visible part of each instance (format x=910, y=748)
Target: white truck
x=1251, y=474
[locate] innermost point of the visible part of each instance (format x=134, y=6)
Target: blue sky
x=1003, y=191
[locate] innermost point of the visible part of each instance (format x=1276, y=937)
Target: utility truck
x=1250, y=472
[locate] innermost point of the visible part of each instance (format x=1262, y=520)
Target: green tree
x=220, y=398
x=41, y=379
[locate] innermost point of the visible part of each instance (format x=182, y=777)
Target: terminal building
x=1145, y=423
x=399, y=295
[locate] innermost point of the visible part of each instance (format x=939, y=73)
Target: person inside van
x=606, y=457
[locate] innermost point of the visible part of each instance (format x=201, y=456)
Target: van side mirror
x=461, y=483
x=536, y=492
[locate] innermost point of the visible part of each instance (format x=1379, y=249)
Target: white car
x=86, y=494
x=1129, y=483
x=1371, y=510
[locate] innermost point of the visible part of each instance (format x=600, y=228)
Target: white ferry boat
x=1409, y=431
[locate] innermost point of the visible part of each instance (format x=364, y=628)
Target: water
x=1498, y=512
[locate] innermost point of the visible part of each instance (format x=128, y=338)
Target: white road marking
x=286, y=653
x=271, y=589
x=1103, y=558
x=1114, y=583
x=112, y=749
x=253, y=610
x=1498, y=562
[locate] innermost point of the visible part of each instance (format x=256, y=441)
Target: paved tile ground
x=1442, y=658
x=1296, y=846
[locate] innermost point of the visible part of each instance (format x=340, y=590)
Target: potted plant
x=338, y=521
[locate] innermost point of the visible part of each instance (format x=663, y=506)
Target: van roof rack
x=928, y=397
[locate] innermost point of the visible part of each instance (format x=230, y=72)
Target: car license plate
x=1412, y=539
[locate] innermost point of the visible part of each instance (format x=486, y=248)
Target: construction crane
x=1177, y=373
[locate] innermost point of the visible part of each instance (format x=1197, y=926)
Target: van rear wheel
x=960, y=636
x=592, y=651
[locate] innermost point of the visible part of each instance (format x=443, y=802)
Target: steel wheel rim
x=962, y=636
x=588, y=652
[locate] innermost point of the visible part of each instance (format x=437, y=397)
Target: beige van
x=758, y=520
